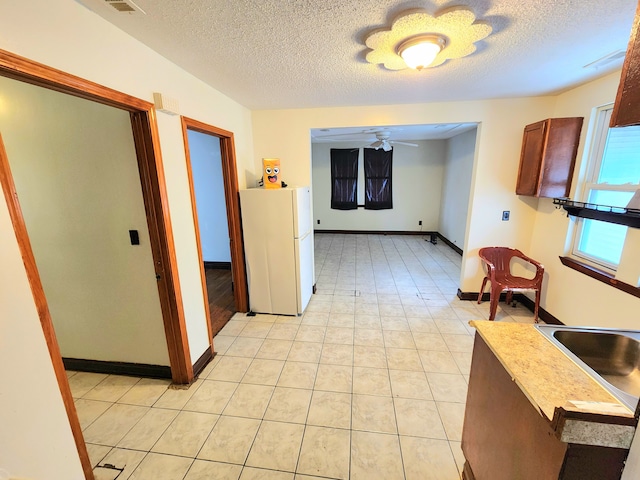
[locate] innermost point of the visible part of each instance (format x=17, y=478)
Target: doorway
x=213, y=184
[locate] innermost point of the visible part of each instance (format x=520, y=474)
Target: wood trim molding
x=232, y=200
x=600, y=275
x=19, y=226
x=203, y=361
x=452, y=245
x=375, y=232
x=117, y=368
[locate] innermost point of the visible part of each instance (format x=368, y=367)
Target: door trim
x=230, y=181
x=156, y=206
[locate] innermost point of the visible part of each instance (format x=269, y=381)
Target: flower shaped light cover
x=449, y=34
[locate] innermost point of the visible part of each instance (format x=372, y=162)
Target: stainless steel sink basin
x=612, y=357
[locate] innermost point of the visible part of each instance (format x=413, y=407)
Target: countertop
x=552, y=382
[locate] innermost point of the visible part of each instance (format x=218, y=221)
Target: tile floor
x=370, y=383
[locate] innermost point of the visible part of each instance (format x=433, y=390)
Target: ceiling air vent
x=124, y=6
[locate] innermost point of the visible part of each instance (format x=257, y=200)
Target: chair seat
x=512, y=282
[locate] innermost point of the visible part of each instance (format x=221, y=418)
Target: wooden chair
x=498, y=261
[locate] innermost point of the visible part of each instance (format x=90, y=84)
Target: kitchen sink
x=611, y=357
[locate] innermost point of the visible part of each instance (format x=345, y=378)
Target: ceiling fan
x=382, y=139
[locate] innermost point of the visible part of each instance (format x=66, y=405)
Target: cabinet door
x=531, y=158
x=626, y=110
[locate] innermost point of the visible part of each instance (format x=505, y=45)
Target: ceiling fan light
x=419, y=52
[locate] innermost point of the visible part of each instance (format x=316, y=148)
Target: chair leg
x=495, y=298
x=484, y=284
x=537, y=307
x=509, y=298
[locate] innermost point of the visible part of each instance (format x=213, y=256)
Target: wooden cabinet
x=506, y=438
x=626, y=110
x=548, y=157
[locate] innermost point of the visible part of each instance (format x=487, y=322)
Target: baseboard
x=218, y=265
x=375, y=232
x=117, y=368
x=519, y=297
x=455, y=247
x=203, y=361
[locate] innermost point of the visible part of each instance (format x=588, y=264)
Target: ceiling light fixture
x=419, y=40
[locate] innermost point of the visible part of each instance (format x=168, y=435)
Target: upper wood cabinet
x=626, y=110
x=548, y=156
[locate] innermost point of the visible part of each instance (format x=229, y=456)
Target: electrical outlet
x=318, y=222
x=419, y=222
x=505, y=215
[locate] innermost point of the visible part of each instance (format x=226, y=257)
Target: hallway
x=370, y=383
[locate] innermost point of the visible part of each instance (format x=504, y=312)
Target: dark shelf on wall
x=622, y=216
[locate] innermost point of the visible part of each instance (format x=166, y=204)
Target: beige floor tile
x=373, y=414
x=89, y=410
x=337, y=354
x=459, y=343
x=148, y=430
x=427, y=459
x=233, y=328
x=334, y=378
x=186, y=434
x=176, y=398
x=438, y=362
x=368, y=321
x=263, y=372
x=230, y=369
x=283, y=331
x=127, y=460
x=463, y=360
x=111, y=388
x=319, y=307
x=447, y=387
x=205, y=470
x=277, y=446
x=244, y=347
x=452, y=415
x=339, y=335
x=230, y=440
x=273, y=349
x=398, y=339
x=114, y=424
x=344, y=320
x=403, y=359
x=416, y=310
x=423, y=325
x=289, y=405
x=391, y=310
x=146, y=392
x=325, y=452
x=429, y=341
x=221, y=343
x=371, y=381
x=343, y=306
x=305, y=352
x=374, y=357
x=368, y=337
x=315, y=318
x=458, y=455
x=330, y=409
x=418, y=418
x=450, y=326
x=367, y=308
x=97, y=453
x=211, y=397
x=375, y=456
x=251, y=473
x=82, y=382
x=249, y=401
x=406, y=384
x=394, y=324
x=298, y=375
x=389, y=299
x=310, y=333
x=156, y=465
x=256, y=330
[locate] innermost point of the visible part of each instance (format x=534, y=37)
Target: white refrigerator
x=276, y=226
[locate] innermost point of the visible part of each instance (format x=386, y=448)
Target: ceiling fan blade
x=405, y=143
x=386, y=147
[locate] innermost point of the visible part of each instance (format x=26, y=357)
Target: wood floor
x=221, y=300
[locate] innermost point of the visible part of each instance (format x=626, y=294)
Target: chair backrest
x=499, y=257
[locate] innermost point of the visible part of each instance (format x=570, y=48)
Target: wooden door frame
x=146, y=139
x=232, y=201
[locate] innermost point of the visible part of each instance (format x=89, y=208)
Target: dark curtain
x=377, y=179
x=344, y=178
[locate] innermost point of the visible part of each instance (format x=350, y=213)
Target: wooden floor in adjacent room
x=221, y=299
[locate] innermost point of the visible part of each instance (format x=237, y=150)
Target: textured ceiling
x=272, y=54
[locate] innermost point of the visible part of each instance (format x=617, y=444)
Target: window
x=377, y=179
x=344, y=178
x=613, y=176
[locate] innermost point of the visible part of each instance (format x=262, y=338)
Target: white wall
x=456, y=186
x=206, y=165
x=67, y=36
x=76, y=173
x=416, y=187
x=35, y=436
x=571, y=296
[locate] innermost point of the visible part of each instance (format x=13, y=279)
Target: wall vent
x=125, y=6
